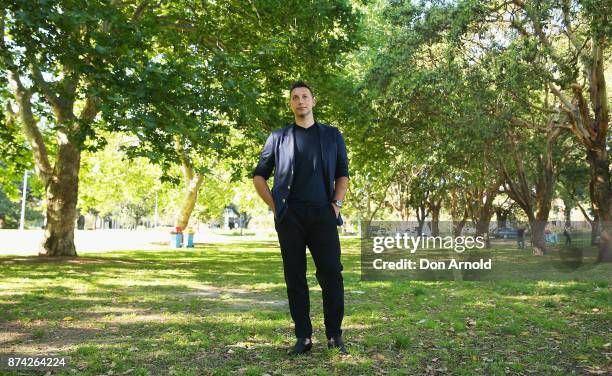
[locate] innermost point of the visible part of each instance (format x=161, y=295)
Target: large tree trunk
x=521, y=189
x=435, y=223
x=601, y=197
x=481, y=208
x=400, y=195
x=459, y=224
x=62, y=194
x=545, y=186
x=590, y=122
x=458, y=211
x=537, y=236
x=421, y=214
x=193, y=182
x=434, y=209
x=593, y=222
x=189, y=200
x=595, y=232
x=62, y=181
x=482, y=227
x=588, y=115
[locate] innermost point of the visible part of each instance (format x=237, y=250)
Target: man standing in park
x=310, y=166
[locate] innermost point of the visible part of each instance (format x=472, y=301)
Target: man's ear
x=314, y=101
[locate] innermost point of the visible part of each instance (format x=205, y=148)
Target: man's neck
x=305, y=122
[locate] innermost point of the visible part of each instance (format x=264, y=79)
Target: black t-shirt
x=308, y=185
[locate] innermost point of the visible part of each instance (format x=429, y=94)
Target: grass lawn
x=222, y=309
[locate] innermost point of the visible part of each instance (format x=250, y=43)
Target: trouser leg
x=291, y=237
x=324, y=245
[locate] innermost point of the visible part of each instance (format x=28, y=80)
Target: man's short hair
x=300, y=83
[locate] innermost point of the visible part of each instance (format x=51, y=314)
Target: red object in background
x=178, y=230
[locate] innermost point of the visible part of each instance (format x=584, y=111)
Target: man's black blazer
x=277, y=155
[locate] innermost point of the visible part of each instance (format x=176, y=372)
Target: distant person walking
x=568, y=236
x=520, y=237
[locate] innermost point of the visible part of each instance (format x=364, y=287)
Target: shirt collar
x=315, y=124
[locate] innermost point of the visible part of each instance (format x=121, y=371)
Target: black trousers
x=314, y=227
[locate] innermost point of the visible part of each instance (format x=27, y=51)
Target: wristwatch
x=338, y=203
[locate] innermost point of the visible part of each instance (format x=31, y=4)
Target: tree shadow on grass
x=218, y=267
x=235, y=337
x=156, y=345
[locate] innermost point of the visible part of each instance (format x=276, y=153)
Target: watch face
x=339, y=203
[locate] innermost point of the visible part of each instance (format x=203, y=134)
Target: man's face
x=301, y=101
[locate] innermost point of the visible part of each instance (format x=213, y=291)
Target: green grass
x=221, y=309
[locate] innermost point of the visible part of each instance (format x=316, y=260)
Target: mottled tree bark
x=62, y=180
x=535, y=197
x=193, y=183
x=458, y=211
x=481, y=208
x=584, y=101
x=434, y=209
x=601, y=197
x=62, y=195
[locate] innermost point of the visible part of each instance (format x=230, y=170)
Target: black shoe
x=337, y=343
x=300, y=346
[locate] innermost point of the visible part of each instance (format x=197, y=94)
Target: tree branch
x=514, y=189
x=586, y=215
x=539, y=32
x=575, y=117
x=598, y=93
x=39, y=150
x=90, y=110
x=524, y=123
x=44, y=86
x=139, y=10
x=583, y=107
x=186, y=165
x=565, y=7
x=23, y=96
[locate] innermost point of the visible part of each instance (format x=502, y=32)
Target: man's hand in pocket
x=336, y=209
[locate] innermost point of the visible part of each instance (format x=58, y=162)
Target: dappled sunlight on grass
x=536, y=298
x=225, y=306
x=482, y=304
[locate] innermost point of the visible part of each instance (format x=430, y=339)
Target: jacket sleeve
x=265, y=166
x=342, y=161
